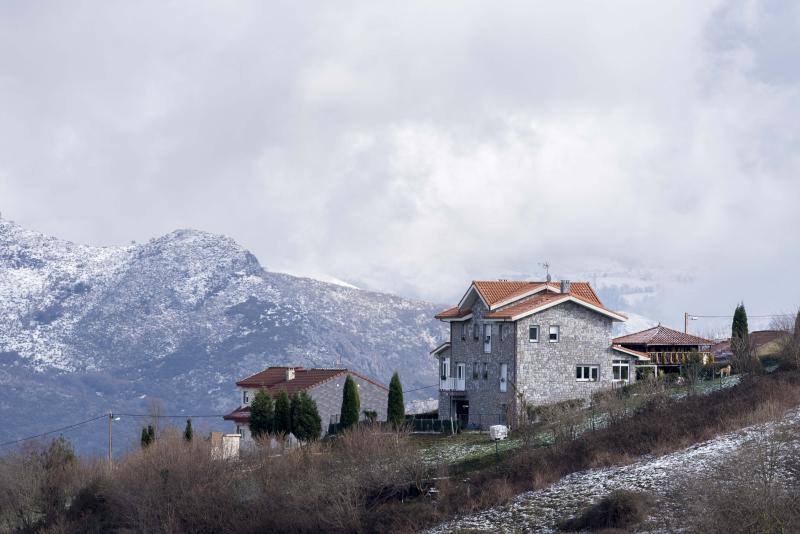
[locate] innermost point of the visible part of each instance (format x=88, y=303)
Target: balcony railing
x=452, y=384
x=676, y=358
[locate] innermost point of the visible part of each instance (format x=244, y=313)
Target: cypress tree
x=308, y=425
x=739, y=327
x=188, y=433
x=294, y=412
x=151, y=434
x=145, y=440
x=262, y=414
x=351, y=404
x=283, y=413
x=396, y=411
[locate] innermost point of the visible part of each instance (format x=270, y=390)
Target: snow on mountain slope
x=180, y=318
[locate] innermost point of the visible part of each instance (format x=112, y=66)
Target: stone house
x=323, y=385
x=540, y=341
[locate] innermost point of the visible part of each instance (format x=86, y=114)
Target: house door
x=462, y=412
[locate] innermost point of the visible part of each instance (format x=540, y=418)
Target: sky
x=411, y=146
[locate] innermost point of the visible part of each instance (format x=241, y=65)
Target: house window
x=445, y=368
x=503, y=377
x=621, y=369
x=533, y=334
x=475, y=370
x=555, y=334
x=476, y=331
x=485, y=371
x=587, y=373
x=238, y=429
x=463, y=331
x=245, y=397
x=487, y=338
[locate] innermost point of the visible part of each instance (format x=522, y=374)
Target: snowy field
x=541, y=510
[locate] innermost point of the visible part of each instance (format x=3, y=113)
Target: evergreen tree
x=151, y=434
x=146, y=438
x=739, y=327
x=283, y=413
x=188, y=433
x=308, y=425
x=351, y=404
x=262, y=414
x=396, y=411
x=294, y=412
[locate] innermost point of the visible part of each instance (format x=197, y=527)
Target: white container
x=498, y=432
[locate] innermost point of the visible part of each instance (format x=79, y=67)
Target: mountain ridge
x=179, y=318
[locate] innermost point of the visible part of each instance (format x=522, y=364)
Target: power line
x=748, y=316
x=423, y=387
x=62, y=429
x=154, y=416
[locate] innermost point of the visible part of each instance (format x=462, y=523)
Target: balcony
x=677, y=358
x=452, y=384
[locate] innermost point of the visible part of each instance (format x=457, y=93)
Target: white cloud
x=412, y=147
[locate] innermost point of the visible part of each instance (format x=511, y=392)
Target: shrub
x=621, y=509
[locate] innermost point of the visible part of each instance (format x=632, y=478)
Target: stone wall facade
x=328, y=397
x=487, y=403
x=543, y=372
x=547, y=371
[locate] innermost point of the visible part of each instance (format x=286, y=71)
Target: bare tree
x=692, y=371
x=789, y=345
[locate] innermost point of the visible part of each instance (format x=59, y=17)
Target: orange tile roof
x=660, y=335
x=495, y=292
x=452, y=313
x=542, y=299
x=273, y=379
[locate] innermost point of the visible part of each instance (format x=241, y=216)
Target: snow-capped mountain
x=84, y=330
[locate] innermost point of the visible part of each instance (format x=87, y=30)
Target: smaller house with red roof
x=662, y=347
x=324, y=386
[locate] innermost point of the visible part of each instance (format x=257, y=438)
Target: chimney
x=289, y=373
x=565, y=286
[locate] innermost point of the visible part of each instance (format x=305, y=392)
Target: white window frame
x=557, y=329
x=616, y=369
x=487, y=338
x=585, y=374
x=538, y=333
x=503, y=377
x=445, y=369
x=245, y=397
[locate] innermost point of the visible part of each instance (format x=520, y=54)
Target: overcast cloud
x=411, y=147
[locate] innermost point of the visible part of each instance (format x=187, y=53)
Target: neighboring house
x=542, y=341
x=323, y=385
x=764, y=342
x=663, y=348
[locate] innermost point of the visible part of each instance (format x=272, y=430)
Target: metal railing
x=452, y=384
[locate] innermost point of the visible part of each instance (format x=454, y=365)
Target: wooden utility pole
x=110, y=421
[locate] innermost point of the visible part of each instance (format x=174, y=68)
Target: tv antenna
x=546, y=266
